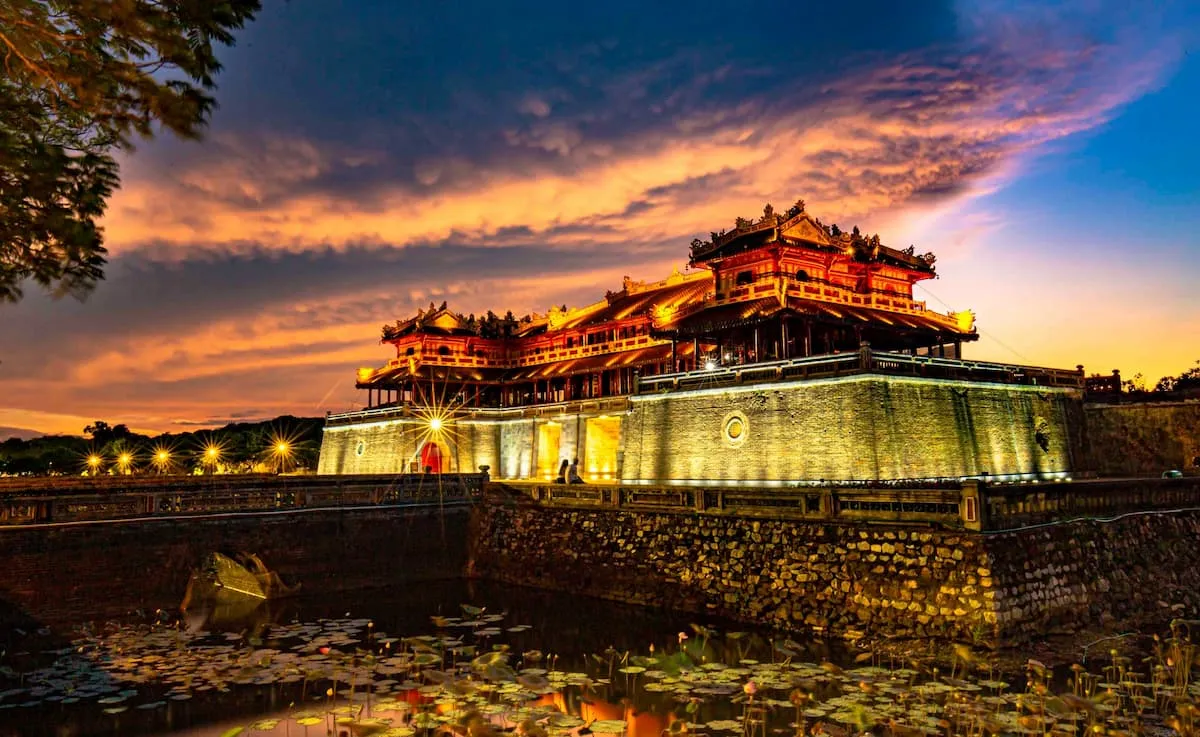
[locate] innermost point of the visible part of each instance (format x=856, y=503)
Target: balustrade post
x=971, y=508
x=865, y=359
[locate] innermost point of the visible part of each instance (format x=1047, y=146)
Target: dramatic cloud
x=899, y=131
x=367, y=162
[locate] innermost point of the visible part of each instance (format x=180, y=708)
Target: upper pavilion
x=783, y=286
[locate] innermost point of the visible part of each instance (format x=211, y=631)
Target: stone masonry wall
x=871, y=427
x=882, y=580
x=786, y=574
x=1143, y=438
x=1091, y=573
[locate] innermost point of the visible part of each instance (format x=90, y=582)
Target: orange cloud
x=910, y=136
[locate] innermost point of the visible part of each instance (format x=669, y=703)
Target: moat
x=469, y=657
x=893, y=609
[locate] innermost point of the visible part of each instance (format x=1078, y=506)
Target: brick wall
x=76, y=573
x=869, y=427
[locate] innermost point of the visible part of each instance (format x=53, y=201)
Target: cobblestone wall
x=847, y=579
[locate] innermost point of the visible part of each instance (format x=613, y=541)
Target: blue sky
x=371, y=157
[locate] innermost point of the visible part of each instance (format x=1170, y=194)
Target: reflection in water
x=196, y=673
x=532, y=664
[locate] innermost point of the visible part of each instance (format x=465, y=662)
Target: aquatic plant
x=469, y=677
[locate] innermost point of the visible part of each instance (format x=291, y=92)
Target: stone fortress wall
x=852, y=579
x=858, y=427
x=393, y=445
x=864, y=427
x=1143, y=438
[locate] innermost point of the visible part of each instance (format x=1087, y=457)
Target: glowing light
x=162, y=456
x=93, y=460
x=212, y=452
x=709, y=364
x=282, y=448
x=435, y=424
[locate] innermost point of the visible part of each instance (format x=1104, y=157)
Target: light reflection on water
x=239, y=666
x=465, y=660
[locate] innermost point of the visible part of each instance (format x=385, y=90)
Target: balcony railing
x=861, y=362
x=599, y=404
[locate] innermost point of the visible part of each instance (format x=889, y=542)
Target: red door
x=431, y=458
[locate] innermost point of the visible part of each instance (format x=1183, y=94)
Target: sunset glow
x=502, y=162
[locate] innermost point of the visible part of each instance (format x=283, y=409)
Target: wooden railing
x=57, y=500
x=861, y=362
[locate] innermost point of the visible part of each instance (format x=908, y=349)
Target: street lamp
x=282, y=451
x=93, y=462
x=162, y=459
x=123, y=462
x=212, y=454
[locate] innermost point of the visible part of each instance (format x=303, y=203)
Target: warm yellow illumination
x=966, y=320
x=212, y=452
x=364, y=374
x=93, y=460
x=282, y=448
x=162, y=456
x=435, y=424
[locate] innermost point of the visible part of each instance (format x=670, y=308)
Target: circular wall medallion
x=734, y=428
x=360, y=448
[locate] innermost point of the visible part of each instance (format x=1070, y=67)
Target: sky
x=368, y=158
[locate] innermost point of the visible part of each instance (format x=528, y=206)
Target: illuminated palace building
x=789, y=351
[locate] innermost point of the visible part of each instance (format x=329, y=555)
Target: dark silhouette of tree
x=103, y=435
x=1186, y=381
x=81, y=79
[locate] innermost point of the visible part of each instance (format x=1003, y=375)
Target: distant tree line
x=1187, y=382
x=285, y=444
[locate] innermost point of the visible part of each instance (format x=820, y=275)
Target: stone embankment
x=848, y=580
x=112, y=548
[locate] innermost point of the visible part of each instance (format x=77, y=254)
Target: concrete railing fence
x=83, y=500
x=968, y=505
